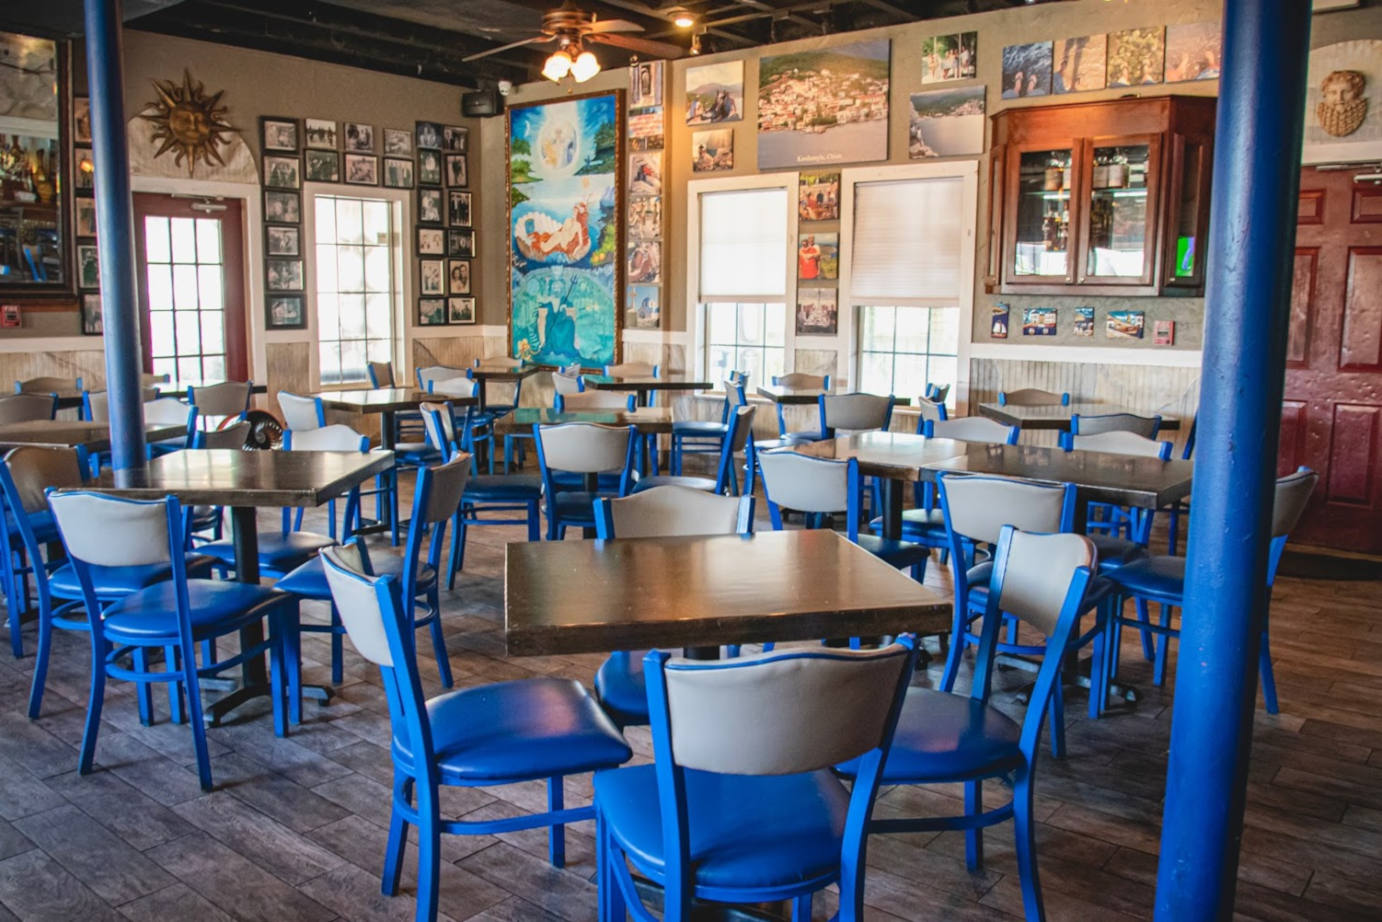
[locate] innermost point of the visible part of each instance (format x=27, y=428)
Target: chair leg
x=1162, y=642
x=45, y=643
x=170, y=659
x=1024, y=831
x=1057, y=720
x=398, y=838
x=428, y=851
x=1264, y=667
x=556, y=833
x=439, y=641
x=610, y=899
x=337, y=647
x=194, y=717
x=534, y=522
x=974, y=838
x=458, y=535
x=143, y=692
x=1148, y=650
x=801, y=908
x=277, y=678
x=94, y=703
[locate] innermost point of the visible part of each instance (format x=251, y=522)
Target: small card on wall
x=1084, y=321
x=998, y=324
x=1164, y=333
x=1038, y=321
x=1126, y=324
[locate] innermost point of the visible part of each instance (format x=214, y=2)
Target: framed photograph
x=1079, y=64
x=1039, y=321
x=282, y=240
x=456, y=172
x=715, y=93
x=645, y=85
x=429, y=206
x=1027, y=70
x=431, y=276
x=81, y=120
x=323, y=166
x=398, y=142
x=362, y=169
x=645, y=172
x=285, y=312
x=460, y=310
x=458, y=276
x=359, y=138
x=998, y=321
x=1137, y=57
x=398, y=173
x=93, y=323
x=431, y=241
x=428, y=135
x=644, y=307
x=460, y=242
x=88, y=266
x=1084, y=321
x=817, y=312
x=84, y=175
x=279, y=133
x=946, y=123
x=1194, y=51
x=1126, y=324
x=283, y=274
x=711, y=150
x=282, y=207
x=818, y=256
x=431, y=312
x=84, y=210
x=429, y=168
x=321, y=134
x=949, y=57
x=458, y=208
x=454, y=138
x=282, y=172
x=846, y=117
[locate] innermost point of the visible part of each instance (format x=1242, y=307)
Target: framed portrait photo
x=398, y=142
x=323, y=166
x=285, y=312
x=455, y=138
x=358, y=138
x=431, y=241
x=88, y=266
x=362, y=169
x=282, y=240
x=93, y=321
x=282, y=207
x=398, y=173
x=431, y=312
x=456, y=172
x=283, y=275
x=458, y=276
x=428, y=135
x=458, y=208
x=282, y=172
x=460, y=310
x=321, y=134
x=429, y=206
x=429, y=167
x=431, y=276
x=84, y=210
x=460, y=242
x=279, y=133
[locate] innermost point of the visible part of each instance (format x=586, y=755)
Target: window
x=743, y=281
x=357, y=287
x=185, y=284
x=902, y=349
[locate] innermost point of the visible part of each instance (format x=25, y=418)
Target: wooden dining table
x=697, y=593
x=644, y=385
x=647, y=420
x=387, y=402
x=62, y=433
x=1056, y=417
x=499, y=371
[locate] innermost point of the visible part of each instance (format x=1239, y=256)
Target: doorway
x=191, y=254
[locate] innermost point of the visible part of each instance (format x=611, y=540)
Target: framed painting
x=566, y=242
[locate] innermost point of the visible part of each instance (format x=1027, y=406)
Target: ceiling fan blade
x=643, y=46
x=613, y=25
x=535, y=40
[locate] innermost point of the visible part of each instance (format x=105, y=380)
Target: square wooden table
x=643, y=385
x=386, y=401
x=500, y=371
x=1056, y=416
x=647, y=420
x=246, y=481
x=60, y=433
x=564, y=597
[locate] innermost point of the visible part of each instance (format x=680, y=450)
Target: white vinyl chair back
x=1038, y=573
x=381, y=374
x=34, y=470
x=106, y=531
x=326, y=438
x=434, y=415
x=300, y=413
x=632, y=370
x=448, y=485
x=740, y=428
x=930, y=409
x=98, y=403
x=979, y=507
x=800, y=379
x=47, y=385
x=676, y=511
x=455, y=387
x=229, y=398
x=1032, y=397
x=1118, y=422
x=23, y=408
x=856, y=412
x=563, y=383
x=353, y=590
x=1292, y=494
x=781, y=713
x=166, y=411
x=1120, y=442
x=585, y=448
x=231, y=437
x=971, y=429
x=437, y=373
x=806, y=484
x=596, y=400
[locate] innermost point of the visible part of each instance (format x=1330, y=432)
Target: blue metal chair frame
x=702, y=437
x=557, y=520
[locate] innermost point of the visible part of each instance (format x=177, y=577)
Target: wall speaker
x=482, y=103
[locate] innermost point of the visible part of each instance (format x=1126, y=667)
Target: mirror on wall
x=34, y=195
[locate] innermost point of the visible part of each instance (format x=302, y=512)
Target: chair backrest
x=803, y=380
x=301, y=413
x=1033, y=397
x=1292, y=494
x=633, y=370
x=564, y=383
x=107, y=531
x=1115, y=422
x=22, y=408
x=594, y=400
x=804, y=483
x=380, y=374
x=936, y=392
x=855, y=412
x=48, y=385
x=977, y=507
x=325, y=438
x=438, y=492
x=1118, y=442
x=930, y=409
x=971, y=429
x=740, y=429
x=169, y=411
x=233, y=437
x=673, y=511
x=29, y=470
x=585, y=448
x=439, y=423
x=426, y=376
x=453, y=387
x=96, y=404
x=229, y=398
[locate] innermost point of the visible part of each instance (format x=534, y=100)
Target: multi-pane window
x=902, y=349
x=747, y=337
x=356, y=286
x=187, y=328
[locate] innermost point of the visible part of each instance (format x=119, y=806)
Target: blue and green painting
x=564, y=239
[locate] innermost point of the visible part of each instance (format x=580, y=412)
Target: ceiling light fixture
x=682, y=18
x=584, y=67
x=557, y=66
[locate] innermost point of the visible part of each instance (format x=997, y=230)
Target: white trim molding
x=1087, y=355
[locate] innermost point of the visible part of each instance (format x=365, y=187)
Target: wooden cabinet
x=1101, y=198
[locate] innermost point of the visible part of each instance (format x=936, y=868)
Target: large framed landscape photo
x=817, y=108
x=566, y=246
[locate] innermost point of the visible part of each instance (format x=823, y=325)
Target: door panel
x=1352, y=455
x=1367, y=205
x=1292, y=452
x=1302, y=297
x=1360, y=348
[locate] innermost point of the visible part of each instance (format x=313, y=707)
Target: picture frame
x=458, y=208
x=83, y=180
x=398, y=142
x=431, y=241
x=460, y=310
x=398, y=173
x=431, y=312
x=429, y=164
x=321, y=134
x=282, y=172
x=458, y=276
x=93, y=319
x=283, y=275
x=429, y=206
x=455, y=138
x=427, y=135
x=361, y=169
x=282, y=240
x=282, y=207
x=457, y=171
x=460, y=242
x=285, y=312
x=84, y=216
x=81, y=120
x=279, y=133
x=432, y=276
x=88, y=266
x=322, y=166
x=358, y=138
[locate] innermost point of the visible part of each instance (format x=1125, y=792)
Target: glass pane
x=940, y=371
x=377, y=268
x=214, y=368
x=184, y=240
x=912, y=328
x=352, y=316
x=350, y=269
x=1118, y=212
x=166, y=366
x=160, y=288
x=189, y=370
x=945, y=330
x=717, y=366
x=909, y=375
x=878, y=329
x=328, y=317
x=189, y=332
x=326, y=219
x=377, y=222
x=209, y=279
x=721, y=323
x=774, y=363
x=1043, y=213
x=330, y=358
x=156, y=240
x=750, y=324
x=352, y=360
x=161, y=334
x=876, y=372
x=208, y=240
x=1188, y=217
x=380, y=350
x=750, y=362
x=775, y=326
x=185, y=287
x=379, y=316
x=348, y=221
x=213, y=331
x=326, y=268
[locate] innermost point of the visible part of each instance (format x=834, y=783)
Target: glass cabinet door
x=1189, y=198
x=1041, y=216
x=1120, y=196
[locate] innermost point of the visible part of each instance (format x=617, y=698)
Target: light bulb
x=683, y=19
x=584, y=67
x=557, y=66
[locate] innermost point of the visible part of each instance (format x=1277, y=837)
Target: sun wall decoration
x=188, y=122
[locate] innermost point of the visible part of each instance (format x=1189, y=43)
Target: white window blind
x=907, y=241
x=744, y=243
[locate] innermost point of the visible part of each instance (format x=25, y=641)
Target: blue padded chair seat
x=623, y=693
x=941, y=736
x=309, y=580
x=566, y=480
x=575, y=505
x=516, y=731
x=702, y=428
x=894, y=551
x=1116, y=552
x=113, y=582
x=707, y=484
x=1153, y=577
x=496, y=488
x=277, y=551
x=744, y=830
x=152, y=611
x=45, y=530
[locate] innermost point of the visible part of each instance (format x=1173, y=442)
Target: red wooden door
x=1332, y=413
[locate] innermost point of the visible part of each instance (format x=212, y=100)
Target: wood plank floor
x=296, y=826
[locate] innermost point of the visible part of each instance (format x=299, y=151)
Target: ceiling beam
x=900, y=14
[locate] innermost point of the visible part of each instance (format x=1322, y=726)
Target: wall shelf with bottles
x=1106, y=198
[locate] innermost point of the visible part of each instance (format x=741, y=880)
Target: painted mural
x=565, y=252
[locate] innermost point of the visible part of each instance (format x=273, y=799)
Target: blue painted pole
x=1252, y=232
x=115, y=229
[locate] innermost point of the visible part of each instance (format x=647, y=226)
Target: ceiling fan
x=570, y=28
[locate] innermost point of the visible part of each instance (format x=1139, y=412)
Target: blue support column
x=1256, y=180
x=115, y=228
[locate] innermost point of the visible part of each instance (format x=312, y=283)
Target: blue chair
x=48, y=385
x=216, y=403
x=661, y=512
x=704, y=437
x=105, y=531
x=587, y=450
x=29, y=525
x=1147, y=426
x=170, y=411
x=479, y=426
x=636, y=370
x=19, y=408
x=502, y=733
x=936, y=393
x=1033, y=397
x=1183, y=506
x=854, y=413
x=301, y=413
x=739, y=805
x=801, y=380
x=1116, y=530
x=407, y=423
x=943, y=738
x=514, y=392
x=1162, y=580
x=738, y=440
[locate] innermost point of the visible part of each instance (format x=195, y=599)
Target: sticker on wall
x=644, y=307
x=998, y=321
x=712, y=151
x=1027, y=70
x=824, y=107
x=950, y=57
x=715, y=93
x=645, y=173
x=1136, y=57
x=645, y=85
x=1126, y=324
x=1079, y=64
x=818, y=256
x=1193, y=51
x=1084, y=321
x=1164, y=333
x=1038, y=321
x=947, y=123
x=818, y=197
x=645, y=262
x=817, y=312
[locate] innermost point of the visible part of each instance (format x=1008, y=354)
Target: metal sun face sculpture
x=188, y=122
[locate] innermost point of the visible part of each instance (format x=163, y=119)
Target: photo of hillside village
x=824, y=106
